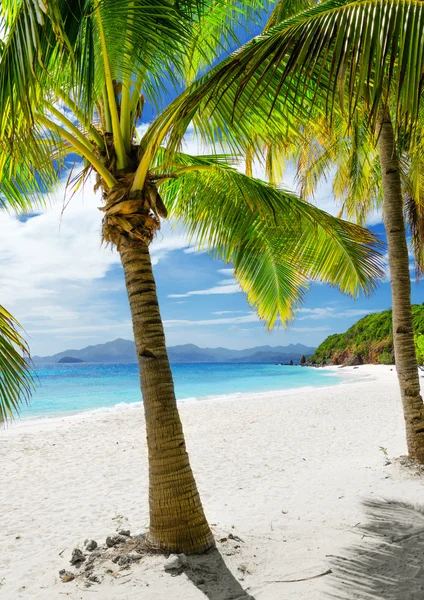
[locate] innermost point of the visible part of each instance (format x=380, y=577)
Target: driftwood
x=303, y=579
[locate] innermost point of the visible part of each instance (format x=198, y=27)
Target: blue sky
x=68, y=291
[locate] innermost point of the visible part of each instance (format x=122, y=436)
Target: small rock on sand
x=175, y=561
x=125, y=532
x=77, y=557
x=66, y=575
x=114, y=540
x=90, y=545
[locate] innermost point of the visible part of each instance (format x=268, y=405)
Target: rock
x=125, y=532
x=90, y=545
x=353, y=361
x=66, y=576
x=175, y=561
x=127, y=559
x=77, y=557
x=95, y=579
x=113, y=540
x=303, y=360
x=291, y=363
x=135, y=556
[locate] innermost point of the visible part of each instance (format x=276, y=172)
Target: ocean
x=69, y=388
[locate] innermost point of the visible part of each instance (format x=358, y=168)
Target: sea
x=65, y=389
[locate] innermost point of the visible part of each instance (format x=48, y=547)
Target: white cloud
x=167, y=240
x=332, y=313
x=44, y=253
x=251, y=318
x=224, y=286
x=227, y=312
x=229, y=271
x=231, y=288
x=194, y=250
x=120, y=326
x=53, y=268
x=308, y=329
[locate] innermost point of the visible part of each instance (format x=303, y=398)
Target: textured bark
x=177, y=520
x=403, y=337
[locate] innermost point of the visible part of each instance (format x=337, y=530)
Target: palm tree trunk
x=177, y=520
x=403, y=337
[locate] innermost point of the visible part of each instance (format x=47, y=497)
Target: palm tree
x=373, y=170
x=82, y=92
x=338, y=57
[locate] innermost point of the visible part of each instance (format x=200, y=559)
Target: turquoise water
x=69, y=388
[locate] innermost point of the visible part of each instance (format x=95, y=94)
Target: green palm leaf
x=337, y=53
x=276, y=242
x=363, y=50
x=16, y=381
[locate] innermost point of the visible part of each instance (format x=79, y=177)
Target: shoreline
x=287, y=473
x=347, y=374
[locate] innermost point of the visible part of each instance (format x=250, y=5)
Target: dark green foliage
x=370, y=338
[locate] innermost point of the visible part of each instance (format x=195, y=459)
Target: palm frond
x=337, y=53
x=276, y=242
x=285, y=9
x=219, y=29
x=39, y=38
x=412, y=175
x=16, y=381
x=29, y=170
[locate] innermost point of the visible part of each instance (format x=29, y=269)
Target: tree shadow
x=388, y=562
x=209, y=573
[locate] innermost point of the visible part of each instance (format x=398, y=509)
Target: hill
x=123, y=351
x=370, y=340
x=70, y=359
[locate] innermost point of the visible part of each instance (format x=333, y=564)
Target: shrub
x=419, y=347
x=386, y=358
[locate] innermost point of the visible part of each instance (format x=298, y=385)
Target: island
x=70, y=359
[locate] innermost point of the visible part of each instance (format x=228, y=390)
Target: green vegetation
x=419, y=347
x=370, y=340
x=16, y=382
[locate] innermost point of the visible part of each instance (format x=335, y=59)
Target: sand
x=299, y=476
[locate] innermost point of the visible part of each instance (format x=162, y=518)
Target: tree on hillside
x=339, y=57
x=81, y=90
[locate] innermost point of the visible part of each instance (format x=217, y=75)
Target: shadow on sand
x=388, y=562
x=210, y=575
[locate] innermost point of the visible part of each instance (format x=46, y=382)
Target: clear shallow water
x=70, y=388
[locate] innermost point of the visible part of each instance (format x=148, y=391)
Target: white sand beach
x=285, y=472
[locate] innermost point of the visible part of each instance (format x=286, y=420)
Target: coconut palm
x=341, y=56
x=82, y=92
x=360, y=183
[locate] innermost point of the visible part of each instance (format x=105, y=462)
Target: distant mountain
x=117, y=351
x=69, y=359
x=369, y=340
x=123, y=351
